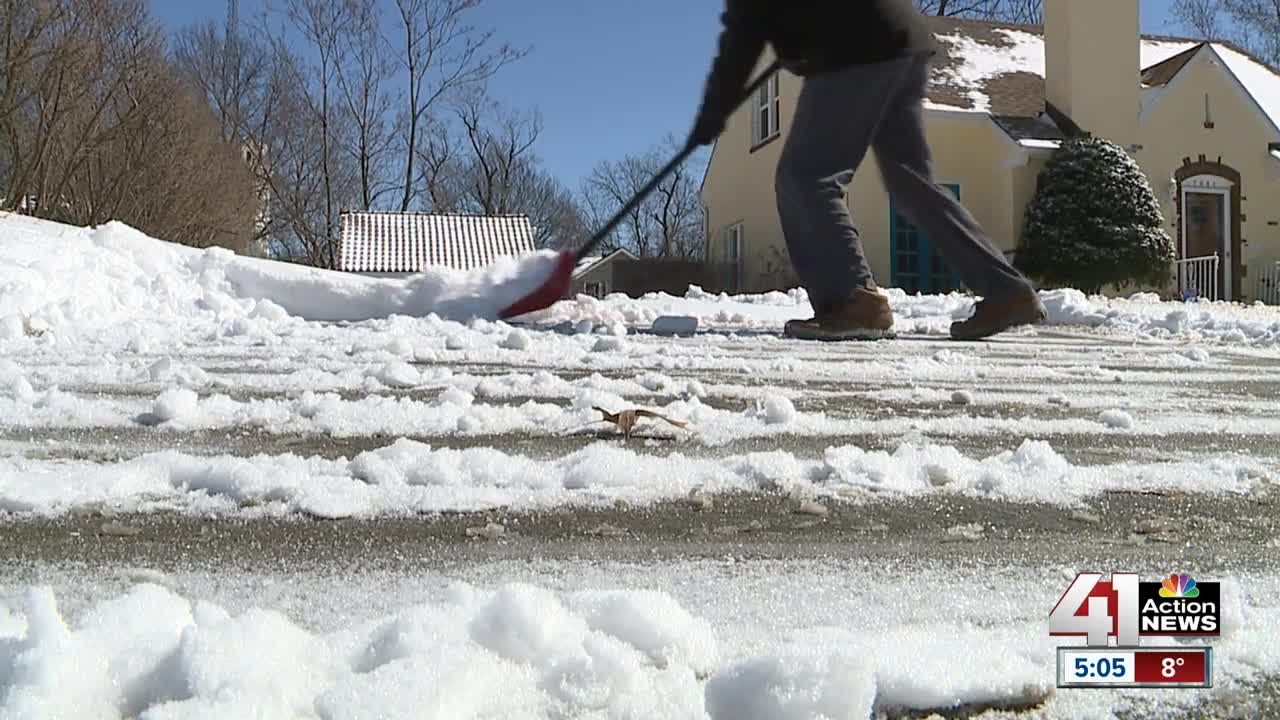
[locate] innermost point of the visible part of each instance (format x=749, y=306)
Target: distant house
x=594, y=275
x=1202, y=119
x=387, y=244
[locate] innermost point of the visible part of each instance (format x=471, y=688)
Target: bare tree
x=322, y=23
x=440, y=53
x=99, y=126
x=1014, y=11
x=361, y=76
x=232, y=66
x=1252, y=24
x=668, y=224
x=488, y=166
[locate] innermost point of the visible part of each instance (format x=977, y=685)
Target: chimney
x=1092, y=65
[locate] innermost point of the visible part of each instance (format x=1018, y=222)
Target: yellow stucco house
x=1201, y=119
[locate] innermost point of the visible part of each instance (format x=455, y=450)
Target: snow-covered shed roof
x=999, y=69
x=589, y=263
x=408, y=242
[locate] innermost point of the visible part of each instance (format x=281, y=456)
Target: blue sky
x=610, y=77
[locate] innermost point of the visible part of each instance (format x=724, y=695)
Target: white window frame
x=734, y=240
x=766, y=111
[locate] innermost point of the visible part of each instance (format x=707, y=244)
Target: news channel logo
x=1123, y=610
x=1114, y=615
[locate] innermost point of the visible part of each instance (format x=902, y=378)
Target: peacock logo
x=1179, y=586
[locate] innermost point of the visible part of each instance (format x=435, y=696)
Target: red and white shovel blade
x=553, y=289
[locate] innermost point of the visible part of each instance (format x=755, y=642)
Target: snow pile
x=519, y=650
x=775, y=687
x=112, y=281
x=409, y=477
x=80, y=281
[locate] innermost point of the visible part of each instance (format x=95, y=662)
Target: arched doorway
x=1208, y=206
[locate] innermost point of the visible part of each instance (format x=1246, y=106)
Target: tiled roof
x=409, y=242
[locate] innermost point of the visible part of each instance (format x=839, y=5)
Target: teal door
x=915, y=266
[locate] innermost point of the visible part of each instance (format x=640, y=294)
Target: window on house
x=594, y=289
x=733, y=255
x=766, y=108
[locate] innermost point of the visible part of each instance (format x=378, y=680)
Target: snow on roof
x=409, y=242
x=1154, y=52
x=1261, y=81
x=975, y=63
x=1040, y=144
x=999, y=68
x=587, y=263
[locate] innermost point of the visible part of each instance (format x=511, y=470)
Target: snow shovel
x=556, y=286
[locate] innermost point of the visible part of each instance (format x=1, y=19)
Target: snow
x=1040, y=144
x=980, y=62
x=779, y=410
x=146, y=350
x=1023, y=52
x=1154, y=52
x=670, y=325
x=853, y=641
x=104, y=277
x=768, y=688
x=408, y=477
x=1261, y=81
x=1118, y=419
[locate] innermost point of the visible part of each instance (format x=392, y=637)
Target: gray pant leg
x=902, y=152
x=837, y=117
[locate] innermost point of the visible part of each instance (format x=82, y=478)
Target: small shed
x=594, y=275
x=391, y=244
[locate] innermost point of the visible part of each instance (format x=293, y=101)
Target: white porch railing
x=1269, y=284
x=1198, y=278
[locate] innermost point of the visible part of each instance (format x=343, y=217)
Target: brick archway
x=1216, y=168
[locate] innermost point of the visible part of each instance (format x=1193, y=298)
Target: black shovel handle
x=670, y=167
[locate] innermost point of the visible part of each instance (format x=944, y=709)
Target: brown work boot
x=866, y=315
x=995, y=316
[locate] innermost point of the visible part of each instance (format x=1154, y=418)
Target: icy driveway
x=820, y=528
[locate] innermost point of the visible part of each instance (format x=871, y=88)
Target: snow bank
x=114, y=281
x=82, y=281
x=410, y=477
x=518, y=650
x=850, y=649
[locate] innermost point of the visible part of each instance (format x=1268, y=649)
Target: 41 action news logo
x=1125, y=609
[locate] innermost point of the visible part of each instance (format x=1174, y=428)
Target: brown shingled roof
x=1017, y=98
x=1018, y=94
x=1162, y=73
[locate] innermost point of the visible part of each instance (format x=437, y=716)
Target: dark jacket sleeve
x=742, y=40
